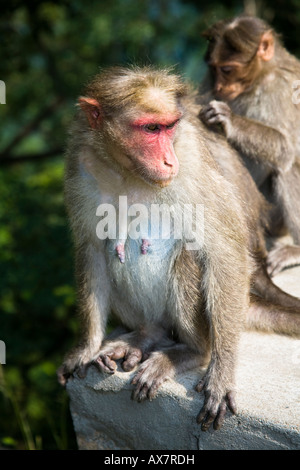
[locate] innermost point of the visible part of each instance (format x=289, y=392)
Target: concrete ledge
x=268, y=386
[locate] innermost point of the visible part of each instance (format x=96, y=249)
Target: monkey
x=250, y=94
x=183, y=299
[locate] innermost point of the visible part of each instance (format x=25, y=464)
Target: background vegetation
x=49, y=49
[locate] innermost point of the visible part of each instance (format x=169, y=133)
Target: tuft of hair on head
x=240, y=36
x=116, y=88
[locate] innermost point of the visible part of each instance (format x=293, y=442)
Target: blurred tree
x=49, y=49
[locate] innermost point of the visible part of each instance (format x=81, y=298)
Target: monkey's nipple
x=145, y=246
x=120, y=250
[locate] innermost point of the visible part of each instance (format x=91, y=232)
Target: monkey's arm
x=254, y=139
x=94, y=306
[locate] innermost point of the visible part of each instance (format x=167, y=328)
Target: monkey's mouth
x=159, y=176
x=156, y=180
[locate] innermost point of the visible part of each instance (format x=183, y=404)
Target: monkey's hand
x=215, y=406
x=125, y=347
x=77, y=361
x=216, y=112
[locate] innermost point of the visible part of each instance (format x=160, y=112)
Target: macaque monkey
x=251, y=93
x=137, y=134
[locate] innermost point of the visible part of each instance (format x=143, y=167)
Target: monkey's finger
x=81, y=371
x=211, y=411
x=108, y=362
x=207, y=405
x=137, y=377
x=143, y=393
x=118, y=353
x=140, y=392
x=200, y=385
x=105, y=364
x=213, y=120
x=275, y=264
x=221, y=416
x=273, y=269
x=133, y=358
x=154, y=387
x=145, y=356
x=201, y=416
x=207, y=422
x=211, y=112
x=63, y=375
x=216, y=119
x=231, y=402
x=204, y=109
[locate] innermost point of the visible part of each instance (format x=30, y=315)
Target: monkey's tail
x=271, y=318
x=267, y=290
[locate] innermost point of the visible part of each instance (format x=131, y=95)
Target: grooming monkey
x=137, y=134
x=254, y=78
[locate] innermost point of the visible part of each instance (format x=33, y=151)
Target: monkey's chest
x=140, y=284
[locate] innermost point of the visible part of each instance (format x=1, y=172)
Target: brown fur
x=262, y=120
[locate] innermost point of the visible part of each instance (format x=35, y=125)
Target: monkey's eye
x=170, y=126
x=226, y=69
x=152, y=127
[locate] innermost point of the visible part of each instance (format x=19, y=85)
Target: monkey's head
x=134, y=114
x=238, y=52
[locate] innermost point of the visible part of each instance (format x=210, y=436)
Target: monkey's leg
x=282, y=256
x=132, y=347
x=162, y=365
x=266, y=316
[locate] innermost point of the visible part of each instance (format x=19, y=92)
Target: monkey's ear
x=266, y=46
x=92, y=110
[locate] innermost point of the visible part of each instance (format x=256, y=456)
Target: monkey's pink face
x=150, y=147
x=145, y=143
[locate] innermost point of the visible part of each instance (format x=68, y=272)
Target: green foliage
x=36, y=300
x=49, y=49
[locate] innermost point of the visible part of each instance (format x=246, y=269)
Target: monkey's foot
x=151, y=374
x=125, y=347
x=120, y=250
x=215, y=407
x=281, y=257
x=145, y=246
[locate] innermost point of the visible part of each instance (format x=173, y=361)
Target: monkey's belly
x=140, y=292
